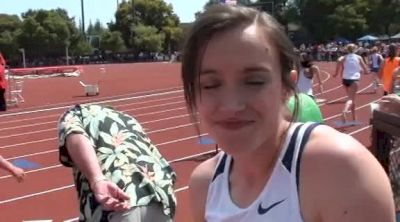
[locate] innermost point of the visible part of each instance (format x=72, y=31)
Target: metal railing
x=386, y=147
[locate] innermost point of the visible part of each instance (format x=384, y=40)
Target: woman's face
x=241, y=97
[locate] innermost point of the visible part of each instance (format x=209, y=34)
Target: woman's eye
x=255, y=83
x=206, y=86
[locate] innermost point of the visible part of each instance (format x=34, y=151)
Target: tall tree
x=147, y=38
x=9, y=25
x=387, y=22
x=112, y=41
x=147, y=13
x=47, y=33
x=326, y=19
x=96, y=29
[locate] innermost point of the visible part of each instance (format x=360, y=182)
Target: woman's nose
x=232, y=101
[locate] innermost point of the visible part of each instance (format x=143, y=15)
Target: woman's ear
x=293, y=76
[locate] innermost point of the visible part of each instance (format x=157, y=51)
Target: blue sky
x=95, y=9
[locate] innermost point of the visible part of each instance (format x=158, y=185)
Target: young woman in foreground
x=235, y=72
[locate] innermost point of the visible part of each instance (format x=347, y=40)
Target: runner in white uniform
x=304, y=84
x=350, y=67
x=278, y=202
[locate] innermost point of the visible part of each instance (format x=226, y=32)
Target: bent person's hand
x=110, y=196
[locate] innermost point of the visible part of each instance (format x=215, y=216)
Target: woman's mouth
x=234, y=124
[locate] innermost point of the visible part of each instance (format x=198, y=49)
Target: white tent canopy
x=368, y=38
x=397, y=36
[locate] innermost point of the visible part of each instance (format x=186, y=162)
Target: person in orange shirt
x=387, y=68
x=395, y=89
x=3, y=84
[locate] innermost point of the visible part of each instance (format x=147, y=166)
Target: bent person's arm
x=82, y=153
x=109, y=195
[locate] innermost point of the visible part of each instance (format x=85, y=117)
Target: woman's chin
x=234, y=149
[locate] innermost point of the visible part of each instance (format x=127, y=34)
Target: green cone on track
x=308, y=109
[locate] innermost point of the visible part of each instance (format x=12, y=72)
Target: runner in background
x=350, y=67
x=303, y=74
x=395, y=89
x=375, y=61
x=307, y=73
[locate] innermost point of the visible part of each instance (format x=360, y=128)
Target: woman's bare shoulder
x=326, y=142
x=198, y=186
x=337, y=167
x=204, y=172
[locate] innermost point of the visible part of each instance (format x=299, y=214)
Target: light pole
x=83, y=17
x=66, y=51
x=22, y=50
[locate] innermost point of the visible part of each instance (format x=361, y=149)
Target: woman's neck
x=257, y=163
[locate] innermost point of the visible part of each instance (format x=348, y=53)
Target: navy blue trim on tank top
x=304, y=140
x=287, y=159
x=221, y=167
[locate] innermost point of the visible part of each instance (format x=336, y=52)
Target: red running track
x=150, y=92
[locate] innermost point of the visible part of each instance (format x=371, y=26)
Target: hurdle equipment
x=14, y=93
x=90, y=89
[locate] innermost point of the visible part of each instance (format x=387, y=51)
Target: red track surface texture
x=150, y=92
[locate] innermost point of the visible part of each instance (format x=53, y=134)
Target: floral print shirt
x=126, y=156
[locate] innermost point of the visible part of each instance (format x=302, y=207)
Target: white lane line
x=99, y=102
x=35, y=194
x=359, y=107
x=55, y=190
x=343, y=97
x=42, y=107
x=163, y=119
x=163, y=111
x=28, y=143
x=71, y=185
x=329, y=90
x=360, y=130
x=54, y=129
x=172, y=128
x=159, y=144
x=52, y=139
x=35, y=170
x=58, y=115
x=29, y=133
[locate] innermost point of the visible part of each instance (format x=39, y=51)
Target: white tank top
x=351, y=67
x=304, y=84
x=279, y=200
x=376, y=60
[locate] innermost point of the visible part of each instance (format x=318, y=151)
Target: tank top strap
x=295, y=148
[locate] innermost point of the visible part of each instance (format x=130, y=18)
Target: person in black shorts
x=350, y=67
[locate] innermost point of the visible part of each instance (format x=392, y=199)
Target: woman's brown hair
x=220, y=18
